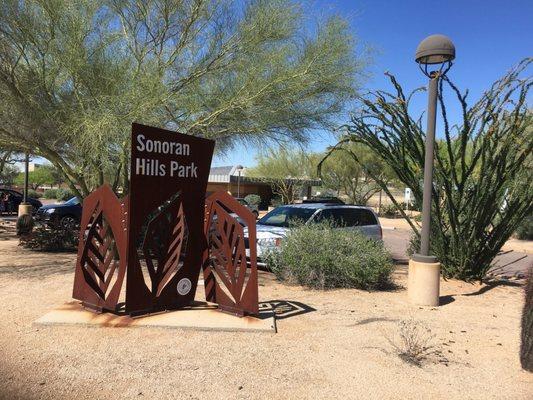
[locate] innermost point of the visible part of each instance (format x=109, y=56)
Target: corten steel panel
x=101, y=261
x=155, y=183
x=227, y=279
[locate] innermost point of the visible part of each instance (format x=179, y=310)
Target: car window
x=284, y=216
x=15, y=194
x=368, y=218
x=346, y=217
x=73, y=201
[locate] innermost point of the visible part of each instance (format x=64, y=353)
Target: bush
x=34, y=194
x=45, y=238
x=388, y=210
x=50, y=194
x=525, y=230
x=276, y=201
x=64, y=194
x=253, y=199
x=526, y=343
x=24, y=224
x=320, y=257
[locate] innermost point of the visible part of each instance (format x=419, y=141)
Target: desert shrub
x=64, y=194
x=46, y=238
x=34, y=194
x=276, y=201
x=526, y=342
x=50, y=194
x=24, y=224
x=525, y=229
x=253, y=199
x=388, y=210
x=413, y=341
x=320, y=257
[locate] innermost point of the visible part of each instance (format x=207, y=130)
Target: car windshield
x=73, y=201
x=284, y=216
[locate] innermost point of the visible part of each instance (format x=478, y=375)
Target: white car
x=273, y=227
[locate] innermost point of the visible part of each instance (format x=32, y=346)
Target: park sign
x=168, y=175
x=164, y=233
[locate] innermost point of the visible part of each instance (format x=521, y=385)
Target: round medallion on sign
x=184, y=286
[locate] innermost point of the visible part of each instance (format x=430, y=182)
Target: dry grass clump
x=414, y=342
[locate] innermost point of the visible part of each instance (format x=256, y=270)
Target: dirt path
x=332, y=346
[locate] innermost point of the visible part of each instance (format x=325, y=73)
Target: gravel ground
x=336, y=346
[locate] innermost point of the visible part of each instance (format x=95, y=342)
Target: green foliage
x=389, y=210
x=50, y=194
x=24, y=225
x=320, y=257
x=285, y=170
x=46, y=238
x=64, y=194
x=8, y=171
x=525, y=229
x=44, y=175
x=76, y=73
x=34, y=194
x=340, y=172
x=483, y=187
x=526, y=342
x=276, y=201
x=253, y=199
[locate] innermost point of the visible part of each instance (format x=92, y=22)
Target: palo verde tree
x=74, y=74
x=339, y=172
x=483, y=187
x=285, y=170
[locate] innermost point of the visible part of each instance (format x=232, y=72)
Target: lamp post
x=436, y=52
x=239, y=168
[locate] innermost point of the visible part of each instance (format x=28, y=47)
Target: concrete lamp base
x=423, y=284
x=25, y=209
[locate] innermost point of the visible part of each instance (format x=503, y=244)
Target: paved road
x=507, y=264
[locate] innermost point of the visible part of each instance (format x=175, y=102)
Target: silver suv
x=273, y=227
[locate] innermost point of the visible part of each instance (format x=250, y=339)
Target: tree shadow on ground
x=40, y=271
x=491, y=285
x=283, y=309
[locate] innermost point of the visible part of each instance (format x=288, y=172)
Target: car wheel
x=67, y=222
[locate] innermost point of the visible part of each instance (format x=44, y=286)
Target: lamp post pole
x=428, y=164
x=424, y=269
x=26, y=178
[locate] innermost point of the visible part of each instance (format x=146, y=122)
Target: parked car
x=15, y=198
x=66, y=215
x=273, y=227
x=253, y=208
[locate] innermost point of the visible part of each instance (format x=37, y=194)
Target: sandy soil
x=335, y=347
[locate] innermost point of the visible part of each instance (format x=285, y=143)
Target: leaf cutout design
x=228, y=280
x=164, y=243
x=99, y=259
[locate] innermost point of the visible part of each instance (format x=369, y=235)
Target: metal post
x=26, y=173
x=428, y=165
x=239, y=185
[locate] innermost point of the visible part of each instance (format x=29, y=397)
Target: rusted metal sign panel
x=101, y=261
x=228, y=280
x=169, y=173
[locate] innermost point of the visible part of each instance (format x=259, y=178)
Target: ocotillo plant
x=483, y=186
x=526, y=344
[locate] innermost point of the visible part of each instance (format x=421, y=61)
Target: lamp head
x=435, y=49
